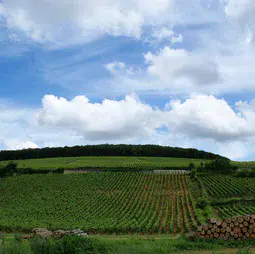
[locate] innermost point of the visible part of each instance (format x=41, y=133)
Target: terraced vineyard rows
x=105, y=202
x=242, y=209
x=225, y=186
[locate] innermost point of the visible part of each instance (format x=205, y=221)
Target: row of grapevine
x=240, y=209
x=225, y=186
x=138, y=202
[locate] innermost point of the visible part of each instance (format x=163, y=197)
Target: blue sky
x=169, y=72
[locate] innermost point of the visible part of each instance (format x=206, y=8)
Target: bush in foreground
x=79, y=245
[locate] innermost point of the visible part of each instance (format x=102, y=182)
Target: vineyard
x=106, y=162
x=99, y=203
x=230, y=196
x=235, y=209
x=226, y=186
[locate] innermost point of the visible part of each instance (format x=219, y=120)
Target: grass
x=244, y=164
x=124, y=246
x=105, y=162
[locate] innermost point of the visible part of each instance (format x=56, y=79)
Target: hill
x=99, y=203
x=108, y=150
x=106, y=163
x=122, y=202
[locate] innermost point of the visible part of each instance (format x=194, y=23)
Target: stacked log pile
x=238, y=227
x=45, y=233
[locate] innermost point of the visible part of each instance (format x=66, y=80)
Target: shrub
x=66, y=245
x=18, y=237
x=8, y=170
x=201, y=203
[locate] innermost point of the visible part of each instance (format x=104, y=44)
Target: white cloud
x=180, y=67
x=214, y=70
x=119, y=69
x=82, y=20
x=115, y=67
x=61, y=22
x=109, y=120
x=235, y=150
x=242, y=12
x=200, y=121
x=200, y=116
x=19, y=145
x=162, y=33
x=239, y=8
x=176, y=39
x=208, y=117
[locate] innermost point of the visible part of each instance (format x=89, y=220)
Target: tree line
x=108, y=150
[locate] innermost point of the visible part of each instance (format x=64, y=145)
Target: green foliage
x=9, y=169
x=218, y=165
x=78, y=245
x=244, y=164
x=66, y=245
x=191, y=166
x=245, y=173
x=108, y=150
x=201, y=203
x=13, y=246
x=18, y=237
x=98, y=203
x=104, y=162
x=218, y=185
x=238, y=208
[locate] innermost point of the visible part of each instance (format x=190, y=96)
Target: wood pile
x=237, y=227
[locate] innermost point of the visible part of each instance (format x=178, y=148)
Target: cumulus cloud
x=169, y=70
x=176, y=39
x=181, y=67
x=242, y=12
x=200, y=116
x=19, y=145
x=162, y=33
x=235, y=150
x=109, y=120
x=201, y=121
x=208, y=117
x=19, y=129
x=61, y=22
x=83, y=20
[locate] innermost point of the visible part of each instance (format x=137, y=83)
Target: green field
x=99, y=203
x=244, y=164
x=226, y=186
x=126, y=244
x=106, y=162
x=122, y=202
x=120, y=210
x=239, y=208
x=229, y=195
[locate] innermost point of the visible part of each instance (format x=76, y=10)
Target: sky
x=168, y=72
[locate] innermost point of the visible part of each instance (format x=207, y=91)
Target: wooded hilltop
x=109, y=150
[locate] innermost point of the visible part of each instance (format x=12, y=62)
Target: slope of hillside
x=105, y=203
x=106, y=162
x=108, y=150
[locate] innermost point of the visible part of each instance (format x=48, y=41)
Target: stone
x=26, y=237
x=42, y=232
x=59, y=233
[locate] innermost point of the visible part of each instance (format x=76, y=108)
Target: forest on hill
x=109, y=150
